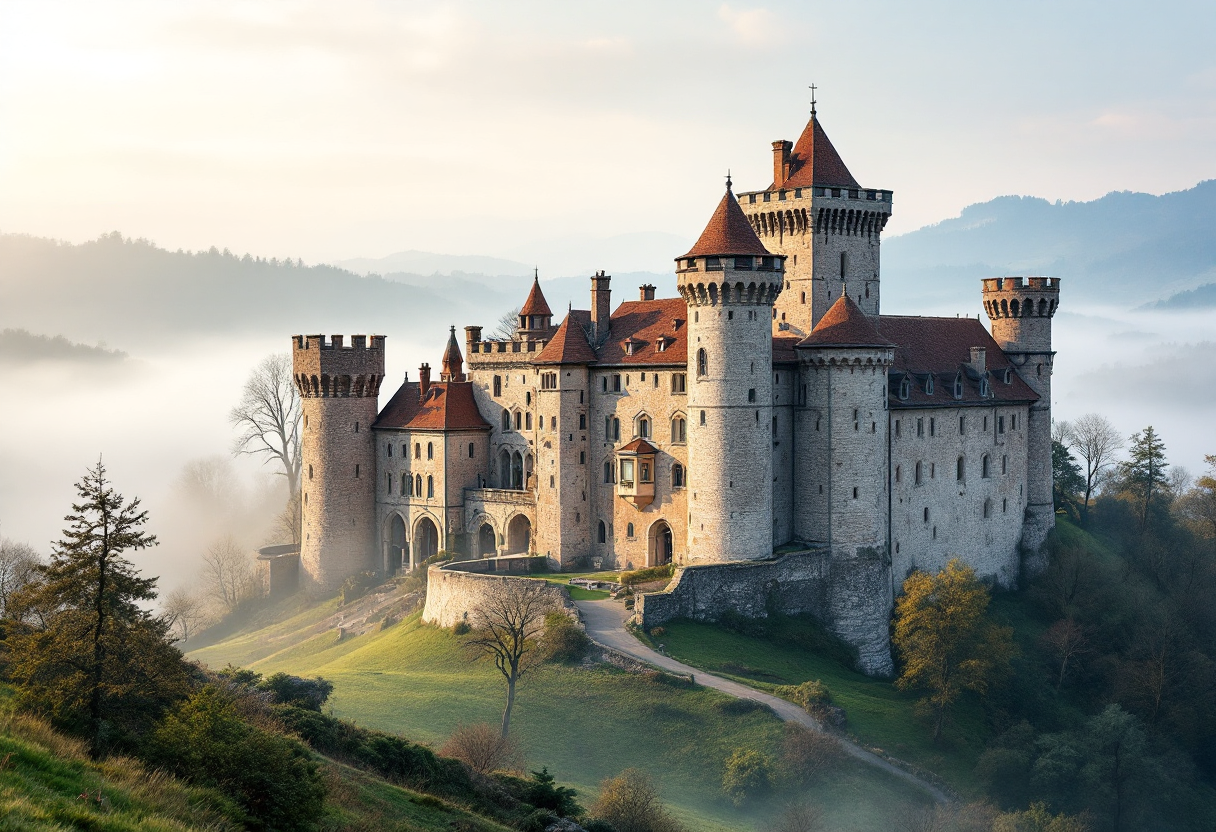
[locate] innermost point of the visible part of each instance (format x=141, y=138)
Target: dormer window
x=958, y=386
x=905, y=389
x=984, y=390
x=1008, y=376
x=630, y=345
x=929, y=385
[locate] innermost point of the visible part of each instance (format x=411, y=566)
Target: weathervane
x=813, y=88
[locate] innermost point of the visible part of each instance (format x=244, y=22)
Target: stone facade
x=452, y=594
x=772, y=406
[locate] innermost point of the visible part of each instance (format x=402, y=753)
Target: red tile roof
x=844, y=325
x=814, y=161
x=728, y=233
x=645, y=322
x=449, y=405
x=941, y=347
x=639, y=446
x=569, y=344
x=783, y=349
x=535, y=304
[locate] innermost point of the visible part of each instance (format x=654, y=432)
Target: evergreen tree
x=1143, y=477
x=88, y=656
x=1068, y=483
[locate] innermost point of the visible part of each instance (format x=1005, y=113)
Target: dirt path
x=605, y=622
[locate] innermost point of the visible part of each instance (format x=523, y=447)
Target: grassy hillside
x=48, y=782
x=585, y=724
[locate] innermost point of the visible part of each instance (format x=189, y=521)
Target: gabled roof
x=569, y=344
x=814, y=161
x=844, y=325
x=941, y=347
x=728, y=233
x=639, y=446
x=449, y=405
x=645, y=322
x=535, y=304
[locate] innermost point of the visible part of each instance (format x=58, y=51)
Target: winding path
x=605, y=622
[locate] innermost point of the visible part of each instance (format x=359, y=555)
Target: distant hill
x=23, y=346
x=1124, y=248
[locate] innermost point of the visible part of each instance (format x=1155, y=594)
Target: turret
x=452, y=368
x=729, y=281
x=535, y=317
x=338, y=386
x=828, y=226
x=1020, y=310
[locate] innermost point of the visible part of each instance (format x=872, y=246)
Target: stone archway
x=426, y=540
x=398, y=548
x=519, y=535
x=662, y=544
x=487, y=544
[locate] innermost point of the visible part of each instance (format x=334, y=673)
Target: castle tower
x=827, y=225
x=452, y=368
x=338, y=386
x=842, y=496
x=1020, y=310
x=729, y=281
x=535, y=317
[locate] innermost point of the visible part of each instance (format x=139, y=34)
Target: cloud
x=754, y=27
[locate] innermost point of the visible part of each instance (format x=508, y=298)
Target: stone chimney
x=978, y=358
x=601, y=304
x=646, y=292
x=781, y=161
x=424, y=381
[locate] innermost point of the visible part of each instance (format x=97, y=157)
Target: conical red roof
x=568, y=345
x=844, y=325
x=728, y=232
x=815, y=162
x=453, y=363
x=535, y=304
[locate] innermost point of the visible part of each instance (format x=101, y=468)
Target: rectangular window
x=405, y=484
x=644, y=471
x=582, y=457
x=920, y=426
x=604, y=384
x=356, y=470
x=962, y=425
x=677, y=382
x=497, y=385
x=751, y=395
x=582, y=421
x=932, y=426
x=897, y=427
x=1000, y=424
x=627, y=473
x=616, y=382
x=388, y=480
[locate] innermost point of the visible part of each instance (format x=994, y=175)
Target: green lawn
x=879, y=715
x=577, y=592
x=584, y=724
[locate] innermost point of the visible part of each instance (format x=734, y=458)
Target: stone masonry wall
x=850, y=598
x=452, y=594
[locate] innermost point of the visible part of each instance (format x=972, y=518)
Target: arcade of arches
x=426, y=540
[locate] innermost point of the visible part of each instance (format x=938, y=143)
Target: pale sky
x=344, y=129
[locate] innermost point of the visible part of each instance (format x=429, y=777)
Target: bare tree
x=287, y=524
x=268, y=417
x=505, y=329
x=1066, y=641
x=1094, y=439
x=185, y=612
x=507, y=625
x=483, y=748
x=17, y=562
x=801, y=817
x=228, y=573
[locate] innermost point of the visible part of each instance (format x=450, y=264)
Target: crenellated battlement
x=334, y=369
x=1021, y=297
x=730, y=281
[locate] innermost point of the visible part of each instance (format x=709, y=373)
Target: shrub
x=808, y=694
x=563, y=641
x=356, y=586
x=309, y=694
x=544, y=793
x=806, y=754
x=629, y=802
x=742, y=707
x=658, y=632
x=461, y=628
x=645, y=576
x=800, y=817
x=483, y=748
x=747, y=774
x=272, y=777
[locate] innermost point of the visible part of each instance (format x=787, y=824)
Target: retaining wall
x=454, y=590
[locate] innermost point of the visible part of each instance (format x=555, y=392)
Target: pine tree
x=1066, y=478
x=88, y=656
x=1142, y=477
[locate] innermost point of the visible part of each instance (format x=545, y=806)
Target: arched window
x=958, y=387
x=984, y=472
x=405, y=485
x=926, y=514
x=616, y=429
x=519, y=420
x=644, y=427
x=430, y=486
x=702, y=363
x=629, y=530
x=603, y=532
x=677, y=475
x=417, y=485
x=506, y=421
x=389, y=449
x=917, y=480
x=528, y=421
x=430, y=450
x=679, y=430
x=962, y=465
x=417, y=450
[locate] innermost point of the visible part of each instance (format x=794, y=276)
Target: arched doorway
x=661, y=544
x=519, y=535
x=398, y=556
x=486, y=545
x=426, y=540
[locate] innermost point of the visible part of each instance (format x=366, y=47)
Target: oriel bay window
x=635, y=472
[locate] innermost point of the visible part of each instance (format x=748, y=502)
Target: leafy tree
x=1068, y=484
x=1198, y=505
x=945, y=640
x=91, y=657
x=746, y=775
x=1143, y=476
x=1095, y=441
x=630, y=803
x=268, y=417
x=506, y=626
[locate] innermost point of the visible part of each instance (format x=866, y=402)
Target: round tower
x=1020, y=310
x=729, y=281
x=338, y=386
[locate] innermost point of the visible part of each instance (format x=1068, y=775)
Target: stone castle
x=770, y=431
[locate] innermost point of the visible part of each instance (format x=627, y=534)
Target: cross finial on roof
x=535, y=273
x=728, y=182
x=813, y=88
